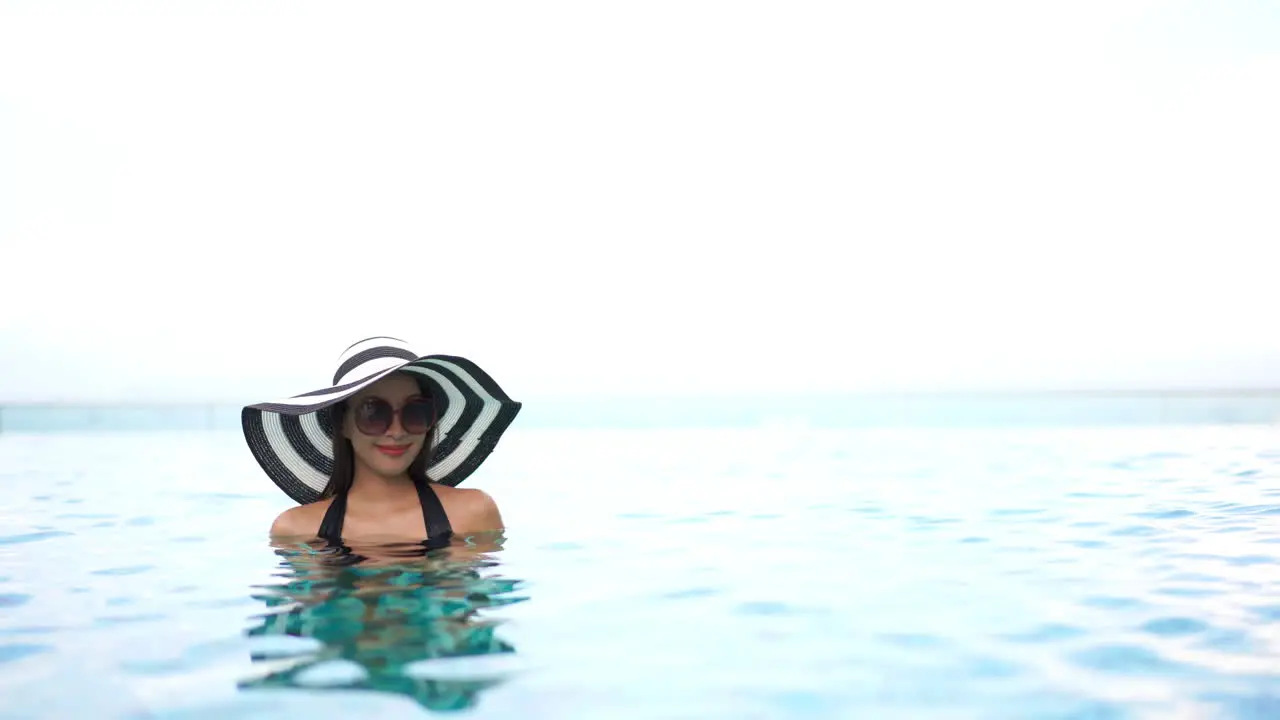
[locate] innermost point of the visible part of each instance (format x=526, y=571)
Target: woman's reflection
x=383, y=607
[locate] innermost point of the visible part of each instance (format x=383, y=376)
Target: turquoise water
x=782, y=571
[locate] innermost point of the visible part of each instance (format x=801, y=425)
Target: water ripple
x=1175, y=626
x=33, y=537
x=1016, y=512
x=1165, y=514
x=366, y=624
x=1048, y=633
x=331, y=673
x=1267, y=613
x=1231, y=640
x=31, y=630
x=1112, y=602
x=1135, y=531
x=16, y=651
x=763, y=608
x=106, y=620
x=127, y=570
x=1127, y=660
x=1251, y=560
x=13, y=599
x=1263, y=704
x=690, y=593
x=1191, y=592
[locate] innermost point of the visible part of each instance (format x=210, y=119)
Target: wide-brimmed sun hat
x=292, y=439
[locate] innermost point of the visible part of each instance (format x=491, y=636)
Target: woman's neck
x=370, y=486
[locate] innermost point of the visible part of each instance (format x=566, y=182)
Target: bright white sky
x=211, y=200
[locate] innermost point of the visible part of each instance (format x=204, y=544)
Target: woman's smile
x=393, y=450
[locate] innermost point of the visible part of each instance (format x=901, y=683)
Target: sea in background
x=1019, y=556
x=838, y=410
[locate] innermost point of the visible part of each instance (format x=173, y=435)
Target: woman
x=377, y=455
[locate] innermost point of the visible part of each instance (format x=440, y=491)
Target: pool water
x=787, y=572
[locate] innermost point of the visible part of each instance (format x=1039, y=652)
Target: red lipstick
x=393, y=450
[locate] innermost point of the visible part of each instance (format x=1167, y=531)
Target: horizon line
x=1200, y=392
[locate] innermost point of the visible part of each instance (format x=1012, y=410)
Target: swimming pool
x=1086, y=572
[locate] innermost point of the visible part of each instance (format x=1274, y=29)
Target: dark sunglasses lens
x=417, y=416
x=373, y=416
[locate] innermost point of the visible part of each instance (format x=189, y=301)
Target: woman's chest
x=399, y=525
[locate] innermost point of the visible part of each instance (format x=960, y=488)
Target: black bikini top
x=439, y=531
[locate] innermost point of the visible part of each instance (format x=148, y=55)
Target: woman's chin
x=388, y=467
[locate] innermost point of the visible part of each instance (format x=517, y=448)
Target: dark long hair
x=344, y=459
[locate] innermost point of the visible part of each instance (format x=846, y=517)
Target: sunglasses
x=373, y=415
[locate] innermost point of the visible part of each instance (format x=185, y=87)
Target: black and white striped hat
x=293, y=442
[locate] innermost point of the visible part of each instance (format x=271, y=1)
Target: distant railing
x=835, y=410
x=65, y=417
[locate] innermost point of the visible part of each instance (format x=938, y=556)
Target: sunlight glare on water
x=709, y=573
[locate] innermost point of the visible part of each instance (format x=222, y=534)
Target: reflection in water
x=381, y=608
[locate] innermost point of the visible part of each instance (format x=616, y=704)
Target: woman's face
x=387, y=424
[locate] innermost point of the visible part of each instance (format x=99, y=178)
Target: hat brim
x=292, y=439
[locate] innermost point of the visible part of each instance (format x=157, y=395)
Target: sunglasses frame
x=396, y=412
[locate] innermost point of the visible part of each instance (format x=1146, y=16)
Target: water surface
x=1120, y=572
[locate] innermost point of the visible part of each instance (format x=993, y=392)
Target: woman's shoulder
x=301, y=520
x=470, y=510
